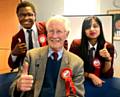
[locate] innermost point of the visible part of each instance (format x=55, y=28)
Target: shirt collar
x=34, y=28
x=90, y=46
x=60, y=53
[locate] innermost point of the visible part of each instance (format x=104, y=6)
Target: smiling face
x=93, y=31
x=56, y=34
x=26, y=17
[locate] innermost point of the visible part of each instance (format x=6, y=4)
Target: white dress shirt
x=91, y=46
x=34, y=39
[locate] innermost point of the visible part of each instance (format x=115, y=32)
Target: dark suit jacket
x=41, y=30
x=76, y=50
x=37, y=59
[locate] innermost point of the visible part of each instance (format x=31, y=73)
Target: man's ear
x=35, y=17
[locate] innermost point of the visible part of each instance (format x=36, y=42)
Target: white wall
x=47, y=8
x=106, y=5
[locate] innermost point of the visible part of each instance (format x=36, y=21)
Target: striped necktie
x=55, y=55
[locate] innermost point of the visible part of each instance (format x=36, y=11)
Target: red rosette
x=97, y=66
x=42, y=39
x=96, y=63
x=66, y=74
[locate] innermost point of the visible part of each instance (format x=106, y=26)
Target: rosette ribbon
x=66, y=74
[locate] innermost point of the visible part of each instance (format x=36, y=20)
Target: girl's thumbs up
x=105, y=45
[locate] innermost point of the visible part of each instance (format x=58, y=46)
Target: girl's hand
x=104, y=52
x=96, y=80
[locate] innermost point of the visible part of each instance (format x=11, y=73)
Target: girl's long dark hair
x=84, y=40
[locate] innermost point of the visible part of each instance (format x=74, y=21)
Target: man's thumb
x=25, y=68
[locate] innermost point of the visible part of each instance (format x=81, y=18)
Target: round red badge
x=42, y=39
x=66, y=72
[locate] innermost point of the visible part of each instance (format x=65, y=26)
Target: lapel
x=20, y=35
x=41, y=27
x=60, y=85
x=40, y=71
x=41, y=32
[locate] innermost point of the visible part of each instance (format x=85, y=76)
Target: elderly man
x=51, y=71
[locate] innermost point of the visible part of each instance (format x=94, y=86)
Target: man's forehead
x=25, y=9
x=56, y=22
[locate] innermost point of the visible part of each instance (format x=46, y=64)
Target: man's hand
x=25, y=82
x=20, y=48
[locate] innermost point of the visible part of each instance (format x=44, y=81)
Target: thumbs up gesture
x=20, y=48
x=25, y=82
x=104, y=52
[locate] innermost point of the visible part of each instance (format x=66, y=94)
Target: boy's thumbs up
x=25, y=68
x=19, y=40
